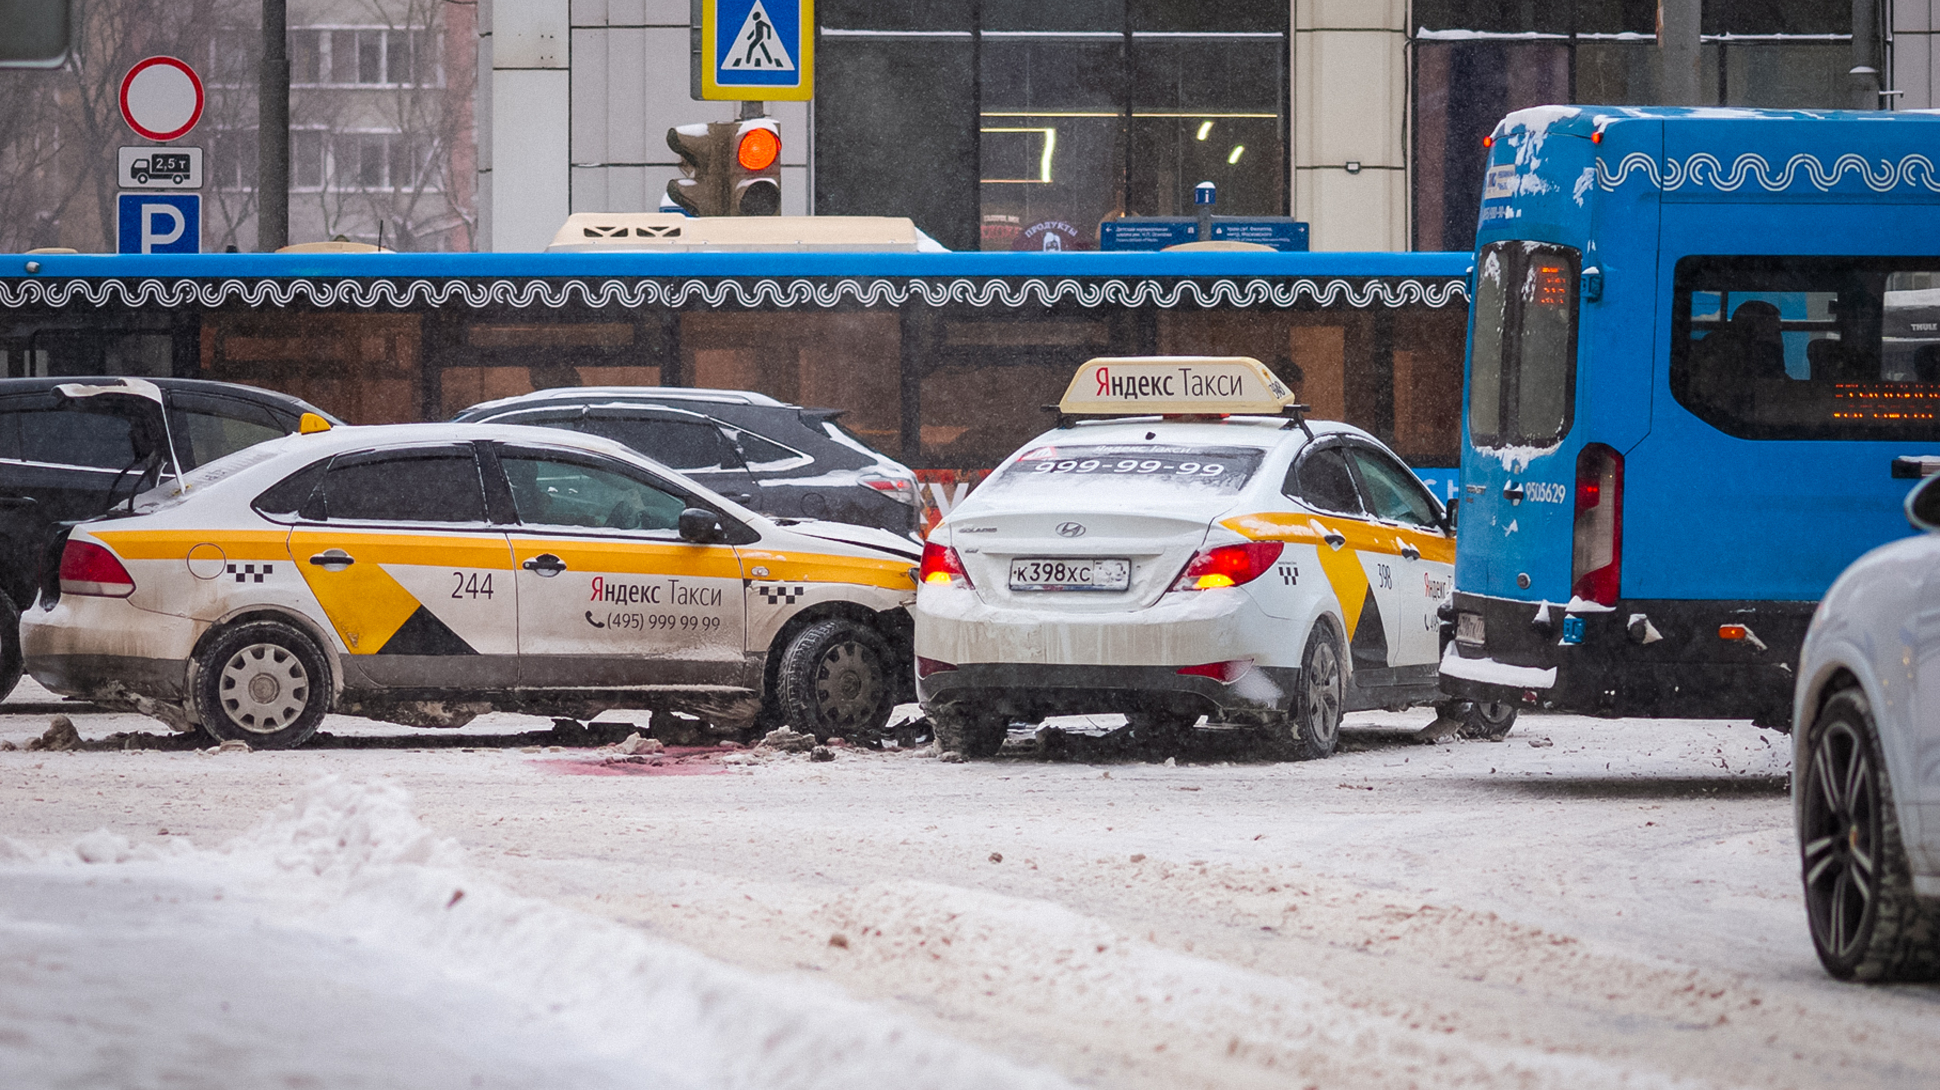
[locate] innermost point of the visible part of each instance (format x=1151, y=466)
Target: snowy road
x=1614, y=906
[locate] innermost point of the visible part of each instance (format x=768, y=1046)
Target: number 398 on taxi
x=423, y=573
x=1184, y=543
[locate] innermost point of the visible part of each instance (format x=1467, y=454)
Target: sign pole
x=273, y=133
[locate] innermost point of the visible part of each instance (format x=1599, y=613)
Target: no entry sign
x=161, y=98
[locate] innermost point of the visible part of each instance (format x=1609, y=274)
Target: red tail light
x=1596, y=561
x=1229, y=565
x=1223, y=672
x=926, y=667
x=900, y=489
x=87, y=568
x=941, y=564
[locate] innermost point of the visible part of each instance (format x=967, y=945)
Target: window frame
x=321, y=494
x=1440, y=513
x=1516, y=255
x=1330, y=444
x=504, y=509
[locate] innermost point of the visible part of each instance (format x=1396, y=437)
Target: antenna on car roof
x=1297, y=415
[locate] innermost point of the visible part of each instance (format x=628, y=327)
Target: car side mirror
x=701, y=526
x=1923, y=504
x=1450, y=513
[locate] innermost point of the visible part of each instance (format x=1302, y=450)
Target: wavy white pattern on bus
x=1704, y=169
x=715, y=293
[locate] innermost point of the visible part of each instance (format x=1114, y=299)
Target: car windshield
x=1140, y=467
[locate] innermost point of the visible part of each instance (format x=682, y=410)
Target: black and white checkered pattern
x=249, y=573
x=780, y=594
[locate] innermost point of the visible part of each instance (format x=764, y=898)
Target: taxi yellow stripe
x=175, y=544
x=1294, y=526
x=632, y=557
x=473, y=549
x=889, y=573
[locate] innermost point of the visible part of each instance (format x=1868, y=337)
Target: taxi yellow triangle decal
x=365, y=605
x=1349, y=580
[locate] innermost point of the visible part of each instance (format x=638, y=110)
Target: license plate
x=1065, y=573
x=1469, y=628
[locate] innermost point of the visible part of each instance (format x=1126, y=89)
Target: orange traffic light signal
x=728, y=168
x=754, y=186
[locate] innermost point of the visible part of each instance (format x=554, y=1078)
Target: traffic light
x=702, y=149
x=754, y=186
x=729, y=168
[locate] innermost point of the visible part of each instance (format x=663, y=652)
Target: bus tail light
x=1596, y=561
x=87, y=568
x=941, y=564
x=1229, y=565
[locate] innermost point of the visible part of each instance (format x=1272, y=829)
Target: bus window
x=1522, y=385
x=1808, y=348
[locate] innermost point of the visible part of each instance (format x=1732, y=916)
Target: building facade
x=1005, y=124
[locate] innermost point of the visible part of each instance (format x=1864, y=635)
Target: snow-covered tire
x=1866, y=922
x=1487, y=720
x=1311, y=727
x=970, y=733
x=264, y=683
x=10, y=661
x=836, y=680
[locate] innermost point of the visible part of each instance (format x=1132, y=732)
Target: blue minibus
x=1704, y=358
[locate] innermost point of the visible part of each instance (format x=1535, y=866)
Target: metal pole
x=1864, y=77
x=273, y=132
x=1679, y=30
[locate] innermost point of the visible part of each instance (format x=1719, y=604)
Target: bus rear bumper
x=1645, y=657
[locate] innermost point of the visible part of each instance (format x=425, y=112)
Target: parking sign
x=757, y=49
x=159, y=223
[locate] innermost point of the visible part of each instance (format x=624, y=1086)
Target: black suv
x=72, y=448
x=779, y=459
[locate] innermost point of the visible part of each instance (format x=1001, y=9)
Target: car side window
x=205, y=433
x=685, y=445
x=68, y=436
x=550, y=491
x=425, y=485
x=1394, y=493
x=1321, y=480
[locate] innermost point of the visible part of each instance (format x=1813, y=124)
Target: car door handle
x=333, y=560
x=1335, y=538
x=739, y=497
x=1409, y=551
x=545, y=564
x=1512, y=492
x=8, y=503
x=1912, y=467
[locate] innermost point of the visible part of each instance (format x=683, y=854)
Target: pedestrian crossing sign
x=757, y=49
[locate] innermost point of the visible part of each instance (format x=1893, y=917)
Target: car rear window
x=1199, y=470
x=67, y=436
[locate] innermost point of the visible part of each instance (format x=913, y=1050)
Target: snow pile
x=351, y=863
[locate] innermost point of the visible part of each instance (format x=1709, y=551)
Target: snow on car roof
x=1265, y=432
x=670, y=393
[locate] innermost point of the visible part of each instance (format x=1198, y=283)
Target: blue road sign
x=1279, y=232
x=1158, y=232
x=159, y=223
x=758, y=49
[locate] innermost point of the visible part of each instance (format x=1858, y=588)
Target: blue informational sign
x=1146, y=232
x=757, y=49
x=159, y=223
x=1158, y=232
x=1279, y=232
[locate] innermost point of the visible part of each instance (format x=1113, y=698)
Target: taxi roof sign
x=1229, y=385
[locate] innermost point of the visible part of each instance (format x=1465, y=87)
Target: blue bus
x=943, y=360
x=1704, y=359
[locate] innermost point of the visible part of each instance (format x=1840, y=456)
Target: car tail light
x=87, y=568
x=1596, y=561
x=926, y=667
x=941, y=564
x=900, y=489
x=1229, y=565
x=1223, y=672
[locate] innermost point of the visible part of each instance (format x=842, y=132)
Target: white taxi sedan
x=424, y=573
x=1866, y=759
x=1184, y=544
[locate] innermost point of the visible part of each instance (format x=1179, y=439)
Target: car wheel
x=1311, y=727
x=10, y=661
x=264, y=683
x=1488, y=720
x=835, y=680
x=1866, y=922
x=959, y=730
